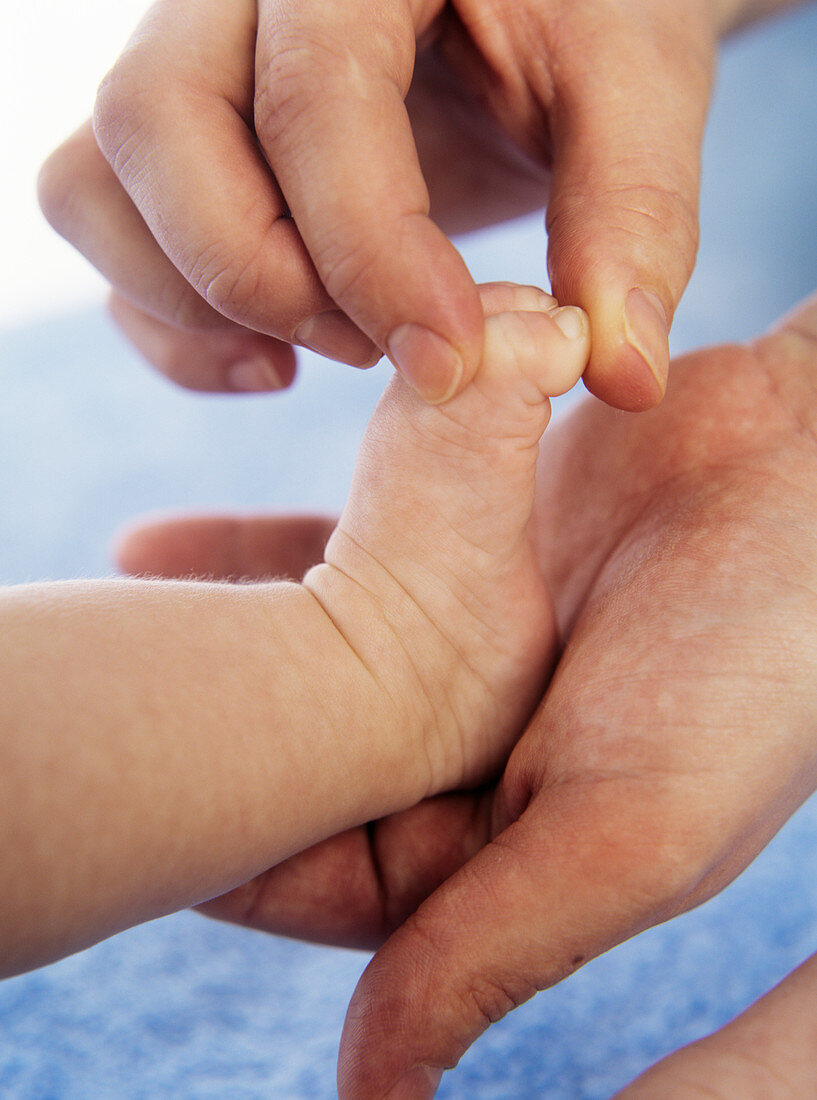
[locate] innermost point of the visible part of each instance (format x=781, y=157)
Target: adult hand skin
x=677, y=735
x=377, y=127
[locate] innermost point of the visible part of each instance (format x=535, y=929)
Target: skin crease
x=509, y=109
x=683, y=554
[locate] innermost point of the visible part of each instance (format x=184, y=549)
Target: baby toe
x=542, y=353
x=507, y=297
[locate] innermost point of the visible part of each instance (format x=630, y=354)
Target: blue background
x=89, y=438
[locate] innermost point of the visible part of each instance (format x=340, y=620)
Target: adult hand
x=377, y=127
x=677, y=735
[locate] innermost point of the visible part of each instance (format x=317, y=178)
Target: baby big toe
x=513, y=298
x=538, y=353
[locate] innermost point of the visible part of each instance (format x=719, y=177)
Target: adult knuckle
x=281, y=105
x=228, y=283
x=490, y=1000
x=651, y=840
x=298, y=65
x=351, y=265
x=471, y=1005
x=123, y=98
x=638, y=220
x=110, y=107
x=345, y=267
x=663, y=213
x=124, y=128
x=658, y=864
x=301, y=61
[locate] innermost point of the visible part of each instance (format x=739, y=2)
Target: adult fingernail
x=645, y=322
x=254, y=374
x=420, y=1083
x=571, y=320
x=427, y=362
x=333, y=335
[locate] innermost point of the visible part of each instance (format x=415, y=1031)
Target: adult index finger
x=174, y=120
x=330, y=114
x=631, y=101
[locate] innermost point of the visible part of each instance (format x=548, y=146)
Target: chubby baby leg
x=435, y=537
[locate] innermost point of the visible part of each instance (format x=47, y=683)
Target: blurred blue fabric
x=187, y=1008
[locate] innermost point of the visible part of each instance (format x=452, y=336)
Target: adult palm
x=677, y=735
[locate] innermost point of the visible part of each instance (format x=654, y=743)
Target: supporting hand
x=676, y=738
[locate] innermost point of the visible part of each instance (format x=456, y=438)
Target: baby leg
x=436, y=534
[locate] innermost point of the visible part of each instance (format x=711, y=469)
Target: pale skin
x=163, y=742
x=681, y=549
x=441, y=116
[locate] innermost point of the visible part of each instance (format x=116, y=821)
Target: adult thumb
x=524, y=913
x=623, y=210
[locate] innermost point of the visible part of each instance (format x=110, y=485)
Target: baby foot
x=430, y=574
